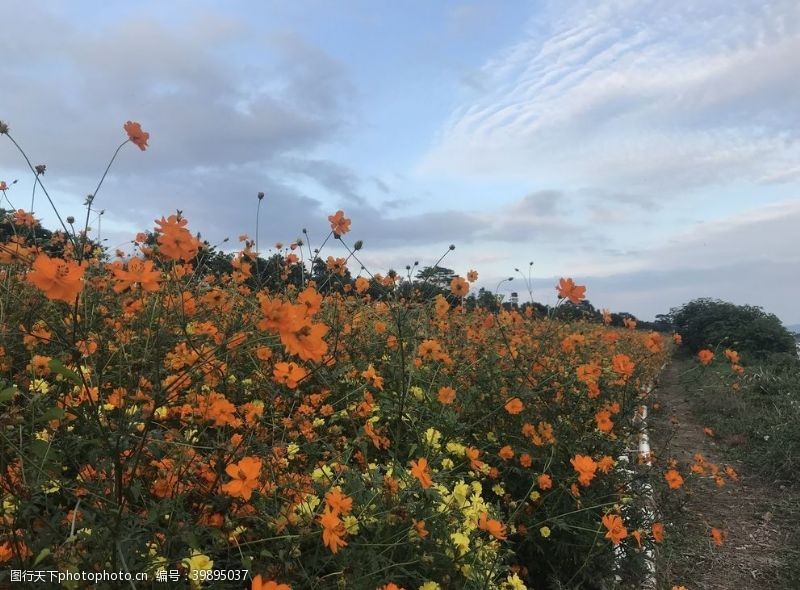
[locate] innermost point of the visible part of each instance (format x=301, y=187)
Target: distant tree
x=436, y=275
x=487, y=300
x=663, y=323
x=577, y=311
x=746, y=328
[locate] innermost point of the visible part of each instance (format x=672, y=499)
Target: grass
x=760, y=424
x=757, y=430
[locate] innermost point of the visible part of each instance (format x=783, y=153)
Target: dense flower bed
x=321, y=436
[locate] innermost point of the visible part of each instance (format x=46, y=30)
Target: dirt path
x=758, y=517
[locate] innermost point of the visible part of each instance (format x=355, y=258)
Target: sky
x=648, y=149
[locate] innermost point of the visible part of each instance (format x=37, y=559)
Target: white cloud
x=646, y=95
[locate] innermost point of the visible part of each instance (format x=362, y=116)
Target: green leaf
x=58, y=367
x=8, y=394
x=42, y=554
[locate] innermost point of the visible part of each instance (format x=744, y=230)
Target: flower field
x=316, y=431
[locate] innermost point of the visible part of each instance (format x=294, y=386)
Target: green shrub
x=709, y=323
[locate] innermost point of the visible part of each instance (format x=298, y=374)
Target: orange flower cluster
x=138, y=272
x=307, y=414
x=333, y=531
x=174, y=240
x=586, y=468
x=293, y=322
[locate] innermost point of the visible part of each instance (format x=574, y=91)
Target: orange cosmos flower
x=567, y=289
x=372, y=375
x=719, y=536
x=459, y=287
x=340, y=225
x=472, y=276
x=307, y=342
x=447, y=395
x=59, y=279
x=588, y=373
x=136, y=135
x=139, y=272
x=514, y=406
x=732, y=356
x=586, y=468
x=336, y=265
x=259, y=584
x=23, y=218
x=289, y=374
x=616, y=529
x=174, y=239
x=604, y=422
x=420, y=470
x=658, y=532
x=429, y=349
x=653, y=342
x=245, y=477
x=14, y=250
x=472, y=454
x=677, y=338
x=506, y=453
x=494, y=527
x=362, y=285
x=674, y=479
x=332, y=530
x=441, y=306
x=623, y=365
x=311, y=299
x=605, y=463
x=419, y=528
x=544, y=481
x=10, y=549
x=338, y=502
x=705, y=356
x=390, y=586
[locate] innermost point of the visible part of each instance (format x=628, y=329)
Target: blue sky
x=648, y=149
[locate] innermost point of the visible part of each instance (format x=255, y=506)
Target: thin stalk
x=93, y=196
x=44, y=190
